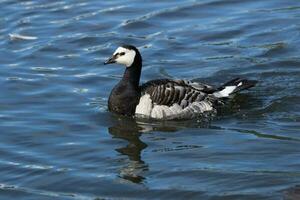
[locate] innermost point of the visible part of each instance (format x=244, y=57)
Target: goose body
x=164, y=98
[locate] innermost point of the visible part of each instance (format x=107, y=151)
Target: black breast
x=123, y=99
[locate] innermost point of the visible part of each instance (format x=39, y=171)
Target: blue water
x=58, y=141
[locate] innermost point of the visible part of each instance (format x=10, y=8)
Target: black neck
x=132, y=74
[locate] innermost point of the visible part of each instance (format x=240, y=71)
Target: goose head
x=126, y=55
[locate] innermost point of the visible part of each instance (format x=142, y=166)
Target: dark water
x=58, y=141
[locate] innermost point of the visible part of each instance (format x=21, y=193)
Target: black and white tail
x=234, y=86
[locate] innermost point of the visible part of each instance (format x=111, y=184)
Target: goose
x=165, y=99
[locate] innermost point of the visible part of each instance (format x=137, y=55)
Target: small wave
x=266, y=135
x=14, y=188
x=177, y=148
x=80, y=90
x=157, y=13
x=87, y=15
x=14, y=36
x=46, y=69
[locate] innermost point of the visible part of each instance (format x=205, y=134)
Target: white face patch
x=125, y=56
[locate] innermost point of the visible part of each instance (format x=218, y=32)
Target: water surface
x=58, y=141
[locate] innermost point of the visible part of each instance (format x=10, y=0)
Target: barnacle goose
x=164, y=98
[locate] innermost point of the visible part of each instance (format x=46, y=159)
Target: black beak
x=110, y=60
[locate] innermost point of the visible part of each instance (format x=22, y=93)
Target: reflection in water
x=128, y=129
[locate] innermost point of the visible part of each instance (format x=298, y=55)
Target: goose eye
x=122, y=53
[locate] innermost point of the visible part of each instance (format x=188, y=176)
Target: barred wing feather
x=170, y=99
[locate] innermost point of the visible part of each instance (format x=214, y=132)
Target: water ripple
x=58, y=140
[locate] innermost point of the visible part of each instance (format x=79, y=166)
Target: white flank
x=145, y=109
x=225, y=92
x=165, y=112
x=21, y=37
x=145, y=106
x=158, y=111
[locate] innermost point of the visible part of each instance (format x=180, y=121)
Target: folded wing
x=165, y=98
